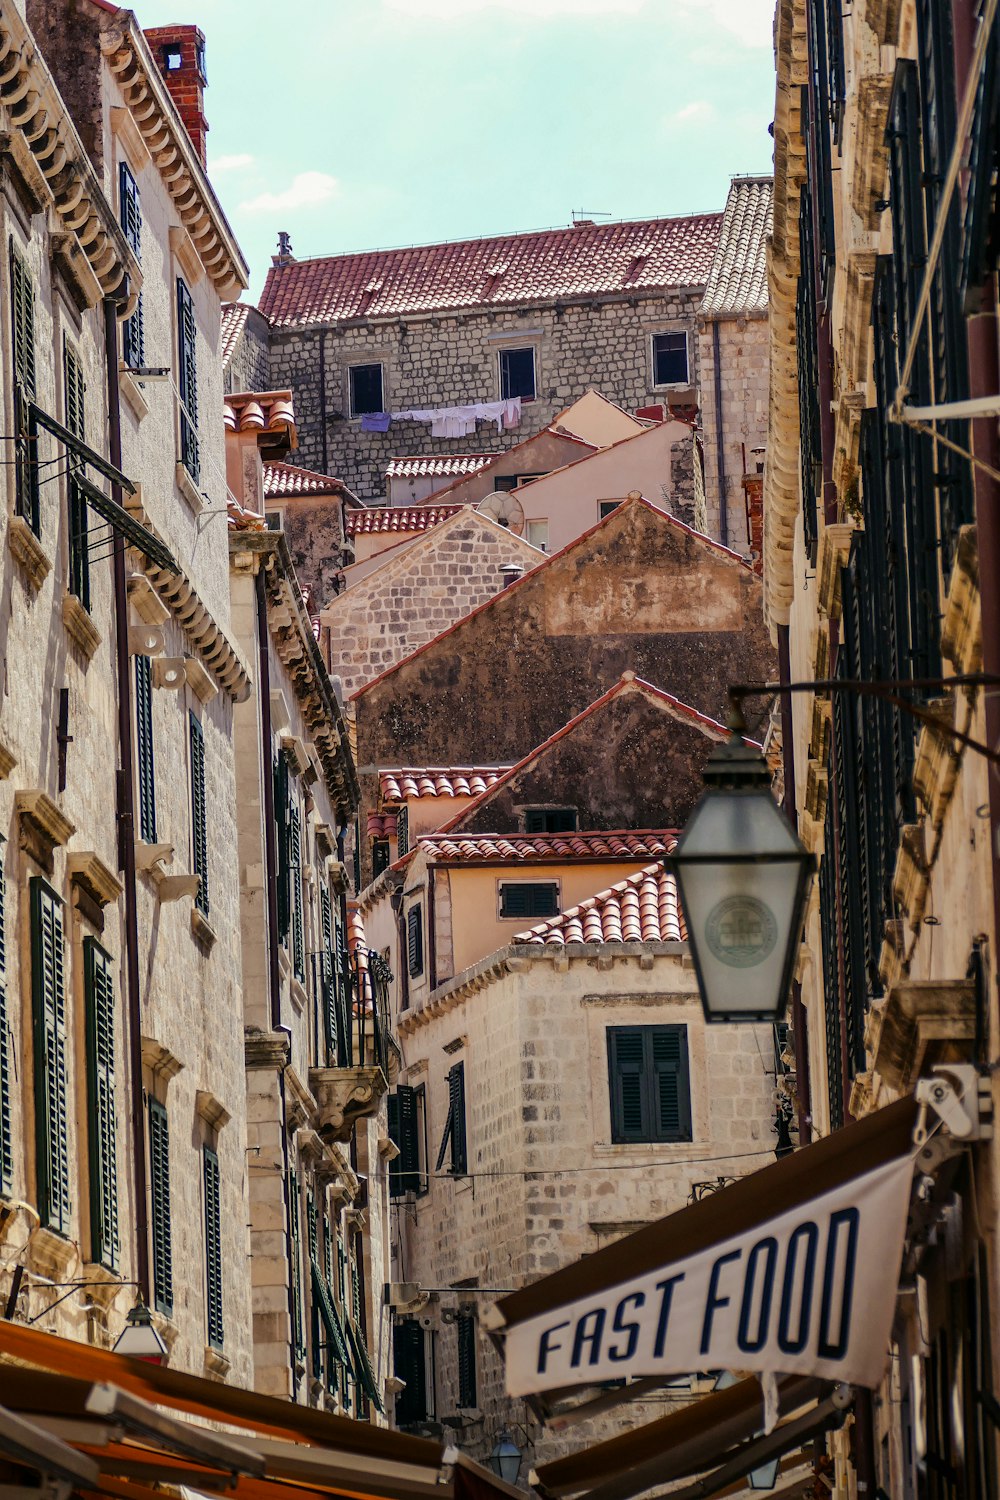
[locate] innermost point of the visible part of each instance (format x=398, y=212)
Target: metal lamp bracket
x=961, y=1100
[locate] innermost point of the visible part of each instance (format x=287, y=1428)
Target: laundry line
x=450, y=421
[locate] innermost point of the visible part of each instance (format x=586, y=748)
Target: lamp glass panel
x=726, y=822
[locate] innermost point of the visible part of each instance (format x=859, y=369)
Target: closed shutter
x=670, y=1078
x=529, y=899
x=6, y=1145
x=144, y=745
x=99, y=997
x=295, y=1250
x=298, y=940
x=649, y=1083
x=806, y=353
x=831, y=972
x=49, y=1018
x=402, y=832
x=78, y=514
x=455, y=1130
x=159, y=1177
x=130, y=214
x=213, y=1249
x=22, y=320
x=404, y=1170
x=199, y=812
x=465, y=1327
x=281, y=839
x=410, y=1364
x=415, y=941
x=187, y=383
x=628, y=1069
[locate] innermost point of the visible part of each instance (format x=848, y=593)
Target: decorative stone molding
x=74, y=270
x=28, y=552
x=217, y=1366
x=128, y=133
x=921, y=1022
x=817, y=787
x=104, y=1285
x=883, y=18
x=201, y=928
x=300, y=1104
x=821, y=728
x=192, y=494
x=168, y=1331
x=149, y=858
x=936, y=761
x=130, y=388
x=88, y=870
x=169, y=672
x=892, y=953
x=212, y=1110
x=174, y=887
x=50, y=1254
x=337, y=875
x=265, y=1049
x=861, y=1100
x=42, y=826
x=344, y=1096
x=962, y=625
x=8, y=760
x=296, y=752
x=911, y=876
x=80, y=627
x=184, y=253
x=159, y=1059
x=834, y=550
x=871, y=155
x=199, y=680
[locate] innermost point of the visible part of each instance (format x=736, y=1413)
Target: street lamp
x=743, y=878
x=139, y=1339
x=505, y=1460
x=764, y=1478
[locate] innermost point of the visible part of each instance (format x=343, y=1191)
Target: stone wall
x=411, y=599
x=314, y=531
x=249, y=367
x=451, y=359
x=744, y=365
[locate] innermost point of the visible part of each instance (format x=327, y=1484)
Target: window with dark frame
x=524, y=899
x=130, y=218
x=517, y=374
x=187, y=380
x=415, y=941
x=408, y=1129
x=550, y=820
x=48, y=987
x=159, y=1178
x=381, y=858
x=199, y=813
x=99, y=1020
x=6, y=1140
x=670, y=359
x=455, y=1136
x=22, y=321
x=77, y=511
x=144, y=749
x=648, y=1075
x=213, y=1248
x=465, y=1330
x=366, y=389
x=606, y=507
x=409, y=1358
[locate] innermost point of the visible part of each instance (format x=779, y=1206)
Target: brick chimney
x=180, y=56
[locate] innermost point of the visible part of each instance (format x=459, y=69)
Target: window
x=159, y=1177
x=415, y=941
x=605, y=507
x=366, y=389
x=144, y=749
x=508, y=482
x=670, y=359
x=298, y=925
x=402, y=832
x=295, y=1233
x=199, y=813
x=454, y=1129
x=537, y=533
x=409, y=1358
x=408, y=1129
x=213, y=1248
x=6, y=1144
x=49, y=1040
x=282, y=840
x=187, y=381
x=99, y=1007
x=537, y=898
x=130, y=216
x=275, y=520
x=22, y=320
x=465, y=1328
x=550, y=820
x=79, y=554
x=380, y=857
x=517, y=374
x=649, y=1085
x=338, y=1359
x=172, y=57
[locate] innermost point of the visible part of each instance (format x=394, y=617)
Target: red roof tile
x=641, y=909
x=550, y=848
x=440, y=466
x=287, y=479
x=582, y=261
x=382, y=518
x=234, y=318
x=455, y=781
x=261, y=411
x=502, y=460
x=738, y=279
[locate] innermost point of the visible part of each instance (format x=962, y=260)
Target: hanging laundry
x=375, y=421
x=460, y=421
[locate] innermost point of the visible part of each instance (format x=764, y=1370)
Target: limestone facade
x=744, y=349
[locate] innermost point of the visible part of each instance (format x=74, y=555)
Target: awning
x=792, y=1269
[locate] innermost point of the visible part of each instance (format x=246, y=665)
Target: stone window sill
x=132, y=391
x=217, y=1366
x=298, y=994
x=188, y=488
x=28, y=551
x=80, y=626
x=202, y=929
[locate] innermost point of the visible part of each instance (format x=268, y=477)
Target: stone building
x=880, y=528
x=541, y=317
x=246, y=363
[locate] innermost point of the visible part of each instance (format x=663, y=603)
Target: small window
x=517, y=374
x=550, y=820
x=465, y=1328
x=649, y=1084
x=537, y=533
x=172, y=58
x=670, y=359
x=454, y=1130
x=605, y=507
x=275, y=520
x=408, y=1129
x=529, y=899
x=409, y=1358
x=366, y=389
x=415, y=941
x=380, y=857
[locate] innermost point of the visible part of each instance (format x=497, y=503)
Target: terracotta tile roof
x=382, y=518
x=456, y=781
x=502, y=461
x=234, y=319
x=584, y=260
x=261, y=411
x=535, y=848
x=439, y=466
x=641, y=909
x=737, y=282
x=287, y=479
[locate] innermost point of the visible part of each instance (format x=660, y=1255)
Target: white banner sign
x=811, y=1291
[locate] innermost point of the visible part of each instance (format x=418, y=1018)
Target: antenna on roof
x=588, y=215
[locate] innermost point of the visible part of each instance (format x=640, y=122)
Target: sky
x=375, y=123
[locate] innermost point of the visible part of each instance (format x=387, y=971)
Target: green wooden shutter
x=671, y=1098
x=6, y=1144
x=22, y=319
x=415, y=940
x=213, y=1248
x=404, y=1170
x=78, y=513
x=465, y=1328
x=402, y=832
x=199, y=812
x=99, y=998
x=626, y=1057
x=49, y=1028
x=145, y=744
x=130, y=216
x=454, y=1130
x=410, y=1365
x=187, y=381
x=281, y=823
x=298, y=936
x=649, y=1083
x=159, y=1181
x=295, y=1251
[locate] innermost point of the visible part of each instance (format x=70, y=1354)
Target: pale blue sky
x=356, y=124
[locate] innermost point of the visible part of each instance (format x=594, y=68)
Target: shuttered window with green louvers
x=22, y=320
x=49, y=1031
x=295, y=1245
x=213, y=1249
x=649, y=1083
x=99, y=1002
x=465, y=1328
x=284, y=881
x=6, y=1144
x=199, y=813
x=410, y=1365
x=144, y=749
x=415, y=941
x=402, y=832
x=130, y=215
x=454, y=1130
x=187, y=381
x=295, y=857
x=79, y=515
x=159, y=1183
x=404, y=1170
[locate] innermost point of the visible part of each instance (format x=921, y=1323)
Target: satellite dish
x=505, y=508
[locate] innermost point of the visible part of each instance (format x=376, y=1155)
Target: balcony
x=355, y=991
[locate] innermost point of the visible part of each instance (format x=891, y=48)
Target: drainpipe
x=720, y=444
x=273, y=972
x=126, y=818
x=322, y=400
x=799, y=1031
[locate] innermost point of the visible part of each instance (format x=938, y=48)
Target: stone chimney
x=180, y=56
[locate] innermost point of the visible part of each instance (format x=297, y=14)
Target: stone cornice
x=266, y=1049
x=173, y=154
x=46, y=151
x=89, y=870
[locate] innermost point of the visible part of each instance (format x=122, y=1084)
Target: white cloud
x=751, y=21
x=698, y=112
x=233, y=163
x=306, y=190
x=453, y=10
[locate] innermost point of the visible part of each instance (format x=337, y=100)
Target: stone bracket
x=344, y=1096
x=920, y=1023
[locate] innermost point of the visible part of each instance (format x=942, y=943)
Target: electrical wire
x=601, y=1167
